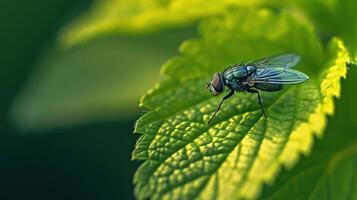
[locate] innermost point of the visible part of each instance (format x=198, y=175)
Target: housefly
x=267, y=74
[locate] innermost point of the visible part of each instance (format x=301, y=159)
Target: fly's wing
x=281, y=76
x=282, y=60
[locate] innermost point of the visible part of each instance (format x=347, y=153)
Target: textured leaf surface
x=96, y=81
x=137, y=16
x=231, y=158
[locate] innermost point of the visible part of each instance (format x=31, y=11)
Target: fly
x=267, y=74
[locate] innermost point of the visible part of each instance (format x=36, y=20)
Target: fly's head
x=216, y=85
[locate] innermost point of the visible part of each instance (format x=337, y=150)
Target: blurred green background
x=89, y=161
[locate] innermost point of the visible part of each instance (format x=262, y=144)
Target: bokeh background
x=87, y=161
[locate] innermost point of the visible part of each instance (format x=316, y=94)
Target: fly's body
x=268, y=74
x=238, y=78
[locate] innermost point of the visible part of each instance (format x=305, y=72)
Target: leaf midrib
x=223, y=160
x=253, y=124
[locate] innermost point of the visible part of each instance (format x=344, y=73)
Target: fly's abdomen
x=268, y=87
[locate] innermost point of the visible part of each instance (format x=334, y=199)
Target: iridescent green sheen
x=235, y=75
x=237, y=72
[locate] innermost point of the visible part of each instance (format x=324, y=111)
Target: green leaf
x=140, y=16
x=100, y=80
x=240, y=150
x=330, y=171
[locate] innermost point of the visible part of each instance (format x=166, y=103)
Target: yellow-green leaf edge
x=302, y=138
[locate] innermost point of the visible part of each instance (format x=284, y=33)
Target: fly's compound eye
x=217, y=83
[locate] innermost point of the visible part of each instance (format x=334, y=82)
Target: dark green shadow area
x=91, y=162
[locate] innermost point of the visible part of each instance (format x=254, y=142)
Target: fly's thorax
x=238, y=72
x=251, y=69
x=247, y=81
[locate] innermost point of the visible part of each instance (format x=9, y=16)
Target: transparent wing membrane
x=282, y=76
x=282, y=60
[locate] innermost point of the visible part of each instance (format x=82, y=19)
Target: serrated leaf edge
x=315, y=126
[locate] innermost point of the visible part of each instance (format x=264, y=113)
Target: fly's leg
x=220, y=104
x=260, y=101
